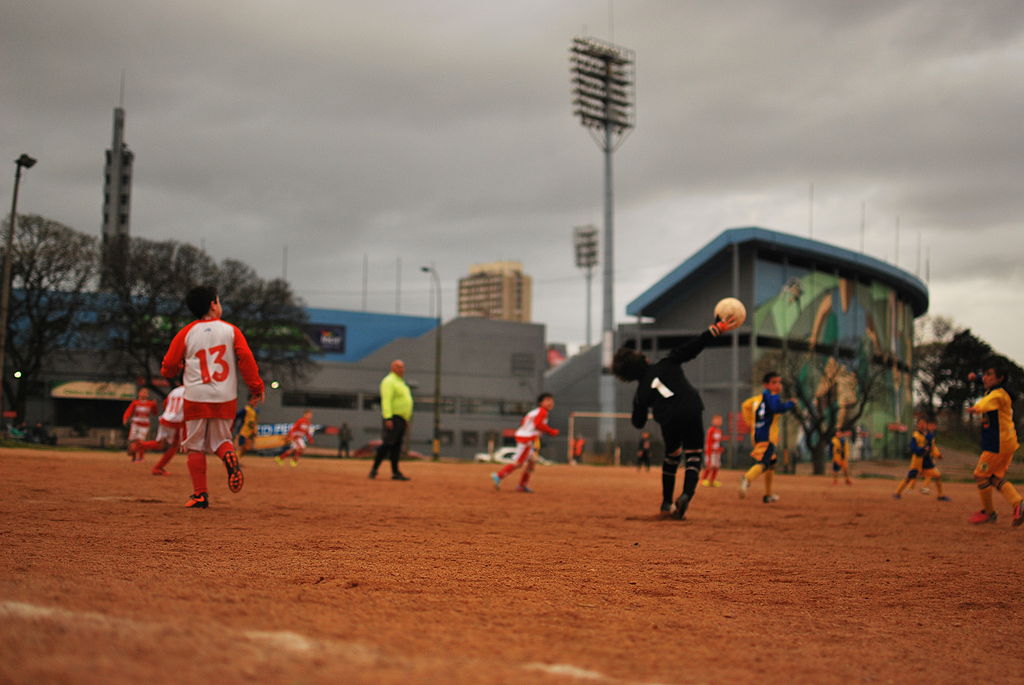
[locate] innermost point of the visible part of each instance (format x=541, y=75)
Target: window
x=470, y=438
x=523, y=364
x=481, y=406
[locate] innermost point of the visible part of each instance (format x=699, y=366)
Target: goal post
x=573, y=416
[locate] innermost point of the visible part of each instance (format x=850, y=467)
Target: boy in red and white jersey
x=712, y=453
x=210, y=354
x=527, y=435
x=136, y=417
x=169, y=431
x=300, y=432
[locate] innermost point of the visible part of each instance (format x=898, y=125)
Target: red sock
x=224, y=448
x=712, y=474
x=148, y=445
x=197, y=469
x=168, y=455
x=506, y=469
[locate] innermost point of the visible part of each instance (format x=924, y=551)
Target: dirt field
x=317, y=575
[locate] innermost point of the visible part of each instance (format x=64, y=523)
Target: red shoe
x=198, y=501
x=236, y=479
x=160, y=472
x=1018, y=513
x=982, y=517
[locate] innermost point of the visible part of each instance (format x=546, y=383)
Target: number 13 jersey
x=212, y=352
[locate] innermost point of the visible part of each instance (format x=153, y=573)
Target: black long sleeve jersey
x=664, y=389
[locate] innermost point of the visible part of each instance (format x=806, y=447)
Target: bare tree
x=832, y=394
x=53, y=268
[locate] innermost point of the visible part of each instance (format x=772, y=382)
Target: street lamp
x=585, y=239
x=436, y=280
x=5, y=290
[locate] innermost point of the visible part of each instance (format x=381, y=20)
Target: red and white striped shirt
x=533, y=424
x=139, y=411
x=713, y=442
x=212, y=352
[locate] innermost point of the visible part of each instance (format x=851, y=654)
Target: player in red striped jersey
x=299, y=434
x=137, y=417
x=169, y=431
x=210, y=354
x=533, y=424
x=712, y=453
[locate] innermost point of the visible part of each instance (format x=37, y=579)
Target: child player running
x=662, y=389
x=247, y=420
x=137, y=417
x=840, y=451
x=922, y=454
x=712, y=453
x=533, y=424
x=211, y=354
x=934, y=453
x=169, y=432
x=300, y=432
x=998, y=443
x=766, y=436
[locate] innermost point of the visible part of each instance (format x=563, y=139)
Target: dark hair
x=543, y=396
x=770, y=375
x=199, y=300
x=997, y=365
x=628, y=364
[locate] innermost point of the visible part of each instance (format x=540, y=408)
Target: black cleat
x=373, y=474
x=400, y=476
x=236, y=479
x=681, y=504
x=198, y=501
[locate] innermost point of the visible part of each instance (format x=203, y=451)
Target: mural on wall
x=839, y=332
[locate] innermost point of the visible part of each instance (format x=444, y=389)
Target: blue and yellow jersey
x=249, y=421
x=766, y=425
x=997, y=432
x=749, y=412
x=919, y=444
x=839, y=448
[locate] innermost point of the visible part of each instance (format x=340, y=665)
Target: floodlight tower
x=585, y=240
x=603, y=79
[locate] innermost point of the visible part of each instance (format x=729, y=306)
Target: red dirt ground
x=317, y=575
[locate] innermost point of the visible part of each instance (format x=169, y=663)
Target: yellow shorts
x=993, y=464
x=764, y=453
x=931, y=473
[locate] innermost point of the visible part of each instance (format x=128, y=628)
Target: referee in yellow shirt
x=396, y=410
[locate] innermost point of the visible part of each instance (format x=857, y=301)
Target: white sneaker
x=768, y=499
x=925, y=491
x=744, y=486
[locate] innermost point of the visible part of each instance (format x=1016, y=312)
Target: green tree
x=53, y=268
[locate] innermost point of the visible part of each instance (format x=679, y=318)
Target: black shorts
x=684, y=430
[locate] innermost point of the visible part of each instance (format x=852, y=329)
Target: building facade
x=117, y=199
x=497, y=290
x=836, y=323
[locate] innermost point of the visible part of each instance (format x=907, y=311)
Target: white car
x=505, y=455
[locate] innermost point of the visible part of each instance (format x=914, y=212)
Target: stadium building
x=837, y=323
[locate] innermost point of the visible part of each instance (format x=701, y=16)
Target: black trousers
x=391, y=444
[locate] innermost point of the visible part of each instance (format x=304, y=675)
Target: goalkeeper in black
x=676, y=406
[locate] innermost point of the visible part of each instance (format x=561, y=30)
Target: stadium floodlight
x=436, y=442
x=23, y=162
x=603, y=79
x=585, y=241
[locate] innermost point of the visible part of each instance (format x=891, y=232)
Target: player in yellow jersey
x=766, y=435
x=247, y=422
x=840, y=449
x=920, y=453
x=998, y=443
x=931, y=471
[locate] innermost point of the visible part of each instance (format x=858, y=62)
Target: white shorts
x=299, y=444
x=713, y=460
x=169, y=434
x=206, y=435
x=138, y=431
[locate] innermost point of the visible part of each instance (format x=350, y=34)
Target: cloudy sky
x=410, y=132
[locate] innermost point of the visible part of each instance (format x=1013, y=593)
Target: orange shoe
x=198, y=501
x=983, y=517
x=236, y=479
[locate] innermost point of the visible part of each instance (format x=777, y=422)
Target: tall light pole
x=436, y=444
x=5, y=291
x=604, y=99
x=585, y=240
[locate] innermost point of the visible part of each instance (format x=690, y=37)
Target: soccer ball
x=730, y=306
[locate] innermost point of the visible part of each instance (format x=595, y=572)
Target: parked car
x=370, y=450
x=505, y=455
